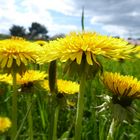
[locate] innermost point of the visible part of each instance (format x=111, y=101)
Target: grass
x=95, y=124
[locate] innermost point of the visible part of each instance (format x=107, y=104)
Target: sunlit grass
x=96, y=120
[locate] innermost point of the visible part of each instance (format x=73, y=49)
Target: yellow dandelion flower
x=86, y=45
x=137, y=51
x=17, y=52
x=125, y=89
x=123, y=86
x=40, y=42
x=31, y=76
x=5, y=124
x=5, y=78
x=64, y=86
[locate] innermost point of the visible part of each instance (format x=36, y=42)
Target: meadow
x=40, y=113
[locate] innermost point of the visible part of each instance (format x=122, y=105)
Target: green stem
x=14, y=107
x=51, y=110
x=52, y=77
x=82, y=19
x=55, y=123
x=30, y=119
x=80, y=108
x=112, y=130
x=52, y=97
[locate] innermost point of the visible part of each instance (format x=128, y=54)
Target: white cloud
x=124, y=13
x=100, y=19
x=62, y=28
x=25, y=12
x=63, y=6
x=116, y=30
x=115, y=17
x=134, y=14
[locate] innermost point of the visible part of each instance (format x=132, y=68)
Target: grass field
x=38, y=114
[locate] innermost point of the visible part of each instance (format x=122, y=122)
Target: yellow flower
x=123, y=86
x=40, y=42
x=137, y=51
x=86, y=45
x=66, y=87
x=125, y=89
x=6, y=78
x=31, y=76
x=5, y=124
x=17, y=52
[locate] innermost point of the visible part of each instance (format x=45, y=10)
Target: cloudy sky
x=110, y=17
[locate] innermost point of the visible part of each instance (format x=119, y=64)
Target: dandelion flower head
x=5, y=124
x=64, y=86
x=137, y=51
x=125, y=89
x=31, y=76
x=123, y=86
x=87, y=45
x=40, y=42
x=4, y=78
x=17, y=50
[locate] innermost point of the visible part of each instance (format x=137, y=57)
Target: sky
x=108, y=17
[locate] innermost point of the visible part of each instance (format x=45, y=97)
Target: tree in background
x=38, y=31
x=17, y=30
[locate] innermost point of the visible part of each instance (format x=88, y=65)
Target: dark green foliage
x=17, y=30
x=37, y=31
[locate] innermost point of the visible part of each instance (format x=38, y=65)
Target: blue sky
x=109, y=17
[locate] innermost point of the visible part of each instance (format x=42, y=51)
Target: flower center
x=123, y=100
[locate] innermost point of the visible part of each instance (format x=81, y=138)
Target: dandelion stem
x=80, y=108
x=14, y=107
x=51, y=109
x=52, y=97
